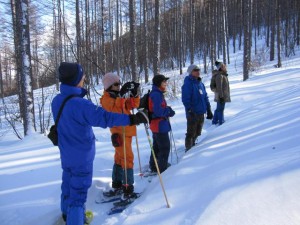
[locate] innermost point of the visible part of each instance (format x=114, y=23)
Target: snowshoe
x=113, y=192
x=109, y=196
x=121, y=205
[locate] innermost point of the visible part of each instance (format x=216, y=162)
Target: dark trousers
x=161, y=147
x=219, y=114
x=194, y=129
x=119, y=178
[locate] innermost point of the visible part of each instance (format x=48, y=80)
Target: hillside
x=245, y=172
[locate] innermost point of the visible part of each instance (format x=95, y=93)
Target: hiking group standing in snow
x=76, y=140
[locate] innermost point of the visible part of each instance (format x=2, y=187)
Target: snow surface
x=245, y=172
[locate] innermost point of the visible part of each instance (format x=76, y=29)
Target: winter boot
x=128, y=196
x=89, y=216
x=115, y=191
x=188, y=143
x=64, y=216
x=150, y=172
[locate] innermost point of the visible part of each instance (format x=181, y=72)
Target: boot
x=188, y=143
x=115, y=191
x=128, y=193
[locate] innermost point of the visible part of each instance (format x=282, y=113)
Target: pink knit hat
x=109, y=79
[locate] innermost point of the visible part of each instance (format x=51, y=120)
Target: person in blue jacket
x=76, y=140
x=196, y=103
x=160, y=124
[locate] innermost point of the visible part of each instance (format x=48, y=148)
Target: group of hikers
x=76, y=140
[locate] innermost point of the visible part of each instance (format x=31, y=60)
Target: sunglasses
x=196, y=70
x=116, y=84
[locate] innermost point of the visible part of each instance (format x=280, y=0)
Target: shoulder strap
x=62, y=107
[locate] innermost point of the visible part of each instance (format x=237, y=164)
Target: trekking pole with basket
x=154, y=157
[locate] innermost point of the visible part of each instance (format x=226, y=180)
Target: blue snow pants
x=75, y=185
x=161, y=147
x=219, y=114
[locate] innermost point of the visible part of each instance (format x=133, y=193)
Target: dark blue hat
x=158, y=79
x=70, y=73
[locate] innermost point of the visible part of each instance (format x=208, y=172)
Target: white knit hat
x=192, y=67
x=109, y=79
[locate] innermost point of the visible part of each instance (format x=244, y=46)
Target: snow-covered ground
x=245, y=172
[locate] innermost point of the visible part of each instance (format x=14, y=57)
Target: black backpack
x=144, y=103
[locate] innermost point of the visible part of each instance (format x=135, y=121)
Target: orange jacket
x=120, y=105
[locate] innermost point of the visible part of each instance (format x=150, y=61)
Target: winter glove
x=222, y=100
x=137, y=119
x=136, y=91
x=171, y=112
x=125, y=88
x=209, y=114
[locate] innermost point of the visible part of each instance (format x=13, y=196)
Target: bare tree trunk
x=1, y=79
x=78, y=33
x=23, y=43
x=212, y=32
x=111, y=35
x=224, y=34
x=273, y=31
x=60, y=31
x=145, y=40
x=55, y=43
x=117, y=38
x=156, y=59
x=247, y=31
x=132, y=19
x=298, y=28
x=278, y=33
x=104, y=66
x=180, y=47
x=192, y=31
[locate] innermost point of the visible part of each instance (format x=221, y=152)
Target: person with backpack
x=196, y=103
x=76, y=139
x=219, y=84
x=121, y=100
x=160, y=126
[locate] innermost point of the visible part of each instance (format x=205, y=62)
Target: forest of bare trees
x=135, y=38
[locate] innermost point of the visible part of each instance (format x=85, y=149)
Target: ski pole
x=124, y=146
x=171, y=146
x=136, y=140
x=138, y=152
x=173, y=139
x=155, y=161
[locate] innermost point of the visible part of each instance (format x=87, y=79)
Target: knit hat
x=158, y=79
x=109, y=79
x=192, y=67
x=218, y=64
x=70, y=73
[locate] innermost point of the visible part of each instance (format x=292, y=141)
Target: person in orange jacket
x=113, y=100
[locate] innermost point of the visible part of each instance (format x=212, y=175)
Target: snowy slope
x=245, y=172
